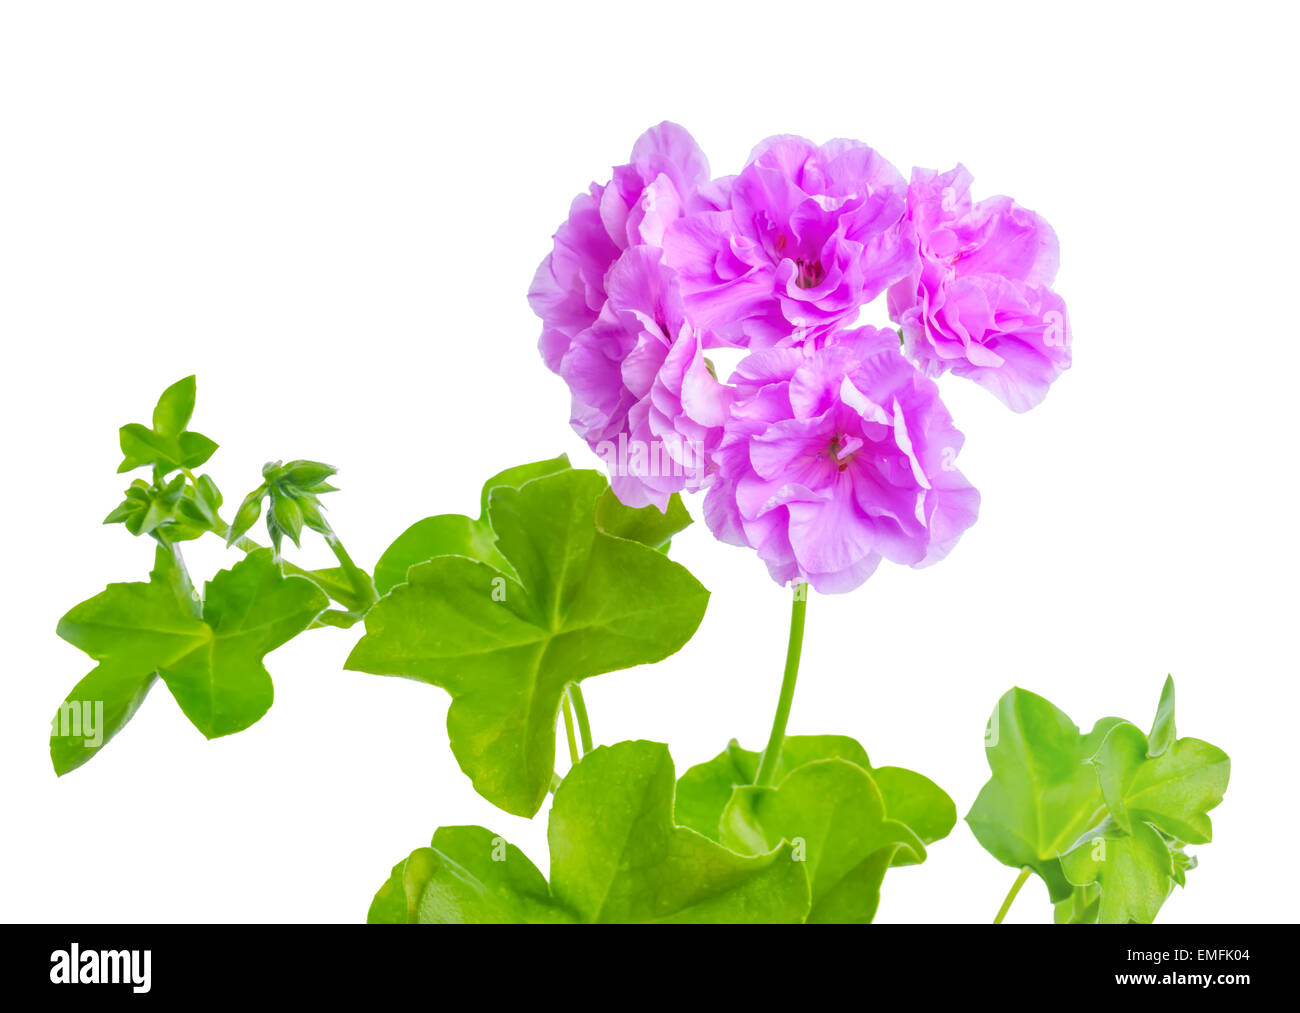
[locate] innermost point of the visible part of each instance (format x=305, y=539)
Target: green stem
x=584, y=725
x=772, y=754
x=351, y=596
x=356, y=596
x=568, y=732
x=245, y=544
x=362, y=586
x=1011, y=895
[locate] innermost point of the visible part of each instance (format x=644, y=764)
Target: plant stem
x=362, y=586
x=772, y=754
x=1011, y=895
x=357, y=596
x=220, y=528
x=584, y=725
x=574, y=757
x=350, y=596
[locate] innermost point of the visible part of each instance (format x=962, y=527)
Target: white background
x=332, y=212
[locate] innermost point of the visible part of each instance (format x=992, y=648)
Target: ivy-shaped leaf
x=832, y=811
x=616, y=857
x=248, y=611
x=458, y=535
x=1168, y=782
x=1102, y=818
x=646, y=525
x=167, y=445
x=705, y=789
x=911, y=798
x=580, y=603
x=853, y=821
x=1132, y=871
x=209, y=654
x=1158, y=792
x=1043, y=794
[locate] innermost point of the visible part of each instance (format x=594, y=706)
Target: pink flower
x=979, y=304
x=808, y=235
x=643, y=396
x=659, y=184
x=614, y=328
x=837, y=455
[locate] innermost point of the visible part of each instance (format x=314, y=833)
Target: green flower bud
x=312, y=516
x=287, y=516
x=307, y=474
x=247, y=515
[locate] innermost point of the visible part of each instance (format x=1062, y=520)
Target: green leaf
x=581, y=603
x=616, y=857
x=1182, y=862
x=647, y=525
x=715, y=798
x=1117, y=833
x=443, y=535
x=834, y=815
x=131, y=630
x=705, y=789
x=175, y=407
x=917, y=802
x=171, y=511
x=456, y=534
x=1079, y=908
x=1043, y=794
x=249, y=611
x=911, y=798
x=201, y=503
x=516, y=476
x=1163, y=732
x=469, y=876
x=167, y=445
x=1133, y=871
x=1156, y=802
x=1173, y=791
x=398, y=901
x=209, y=655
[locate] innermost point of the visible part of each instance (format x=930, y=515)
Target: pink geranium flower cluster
x=828, y=449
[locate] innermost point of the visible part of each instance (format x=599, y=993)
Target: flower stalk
x=776, y=740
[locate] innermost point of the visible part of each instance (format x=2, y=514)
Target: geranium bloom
x=643, y=396
x=660, y=183
x=614, y=329
x=838, y=454
x=979, y=303
x=808, y=236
